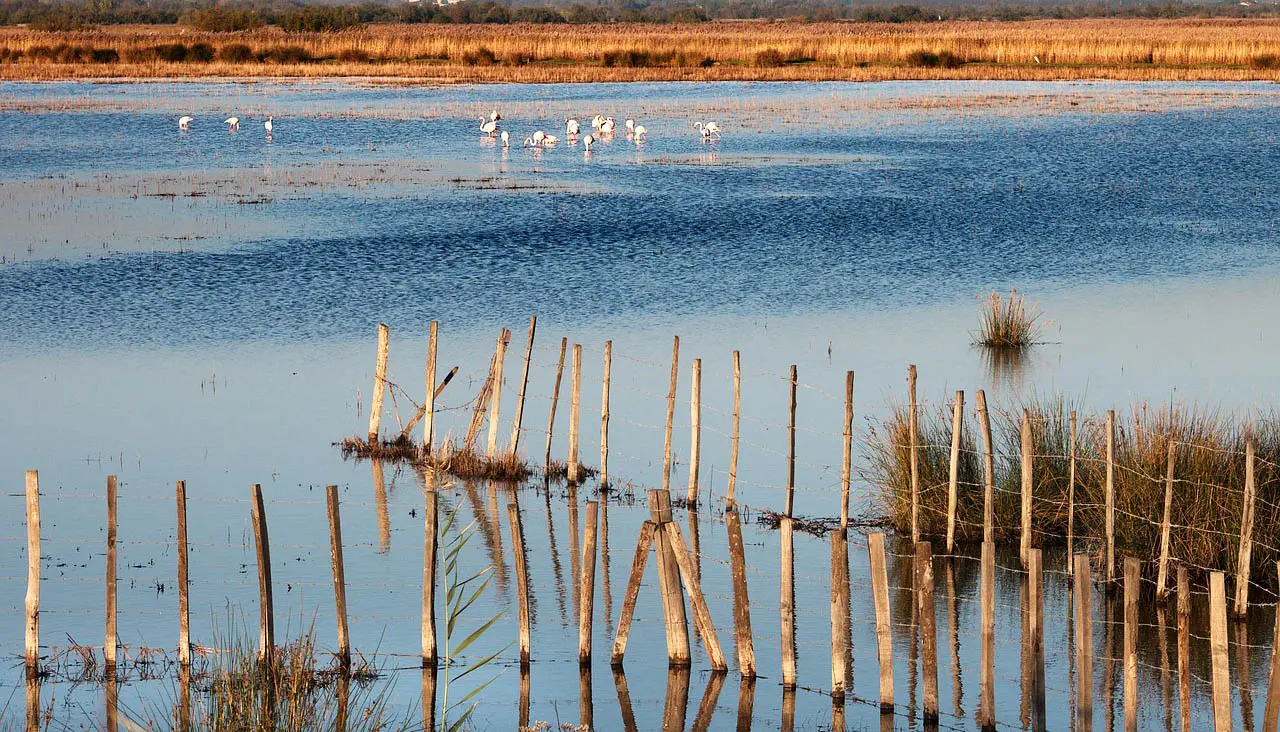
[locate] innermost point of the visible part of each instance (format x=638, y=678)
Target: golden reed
x=1185, y=49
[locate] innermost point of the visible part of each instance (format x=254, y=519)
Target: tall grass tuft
x=1008, y=322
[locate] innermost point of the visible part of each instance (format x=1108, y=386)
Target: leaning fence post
x=379, y=383
x=1218, y=651
x=647, y=531
x=339, y=575
x=109, y=646
x=927, y=614
x=953, y=483
x=741, y=601
x=555, y=400
x=695, y=429
x=1246, y=532
x=884, y=623
x=989, y=482
x=1132, y=576
x=1162, y=573
x=524, y=385
x=604, y=413
x=1028, y=477
x=266, y=610
x=677, y=623
x=33, y=574
x=697, y=600
x=184, y=584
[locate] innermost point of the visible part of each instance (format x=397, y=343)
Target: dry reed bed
x=1207, y=494
x=1049, y=49
x=458, y=460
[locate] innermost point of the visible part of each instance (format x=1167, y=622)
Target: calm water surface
x=202, y=306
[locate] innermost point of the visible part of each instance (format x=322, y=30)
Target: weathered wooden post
x=1028, y=478
x=555, y=399
x=518, y=421
x=266, y=610
x=339, y=575
x=184, y=582
x=987, y=597
x=733, y=440
x=741, y=601
x=1271, y=716
x=429, y=405
x=695, y=429
x=671, y=414
x=953, y=483
x=33, y=576
x=1162, y=573
x=989, y=470
x=787, y=603
x=1083, y=597
x=1246, y=532
x=839, y=614
x=1035, y=626
x=495, y=391
x=379, y=383
x=846, y=463
x=587, y=601
x=1110, y=508
x=604, y=414
x=1132, y=577
x=1071, y=499
x=791, y=446
x=884, y=623
x=1218, y=652
x=1184, y=647
x=927, y=614
x=522, y=581
x=575, y=404
x=677, y=622
x=647, y=531
x=429, y=561
x=913, y=429
x=109, y=646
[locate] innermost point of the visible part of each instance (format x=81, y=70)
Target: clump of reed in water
x=401, y=448
x=1008, y=322
x=1207, y=497
x=464, y=462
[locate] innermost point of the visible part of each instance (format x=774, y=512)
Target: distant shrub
x=105, y=56
x=629, y=59
x=65, y=18
x=200, y=53
x=517, y=58
x=286, y=55
x=222, y=20
x=353, y=56
x=40, y=53
x=172, y=52
x=769, y=58
x=931, y=60
x=482, y=56
x=537, y=15
x=140, y=54
x=10, y=55
x=316, y=19
x=497, y=14
x=1265, y=61
x=236, y=53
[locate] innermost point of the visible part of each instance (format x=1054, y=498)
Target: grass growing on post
x=1008, y=322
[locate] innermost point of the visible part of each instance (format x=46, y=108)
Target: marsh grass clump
x=934, y=59
x=464, y=462
x=770, y=58
x=559, y=470
x=1008, y=322
x=1207, y=496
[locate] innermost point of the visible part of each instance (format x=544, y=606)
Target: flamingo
x=538, y=137
x=606, y=127
x=640, y=133
x=184, y=123
x=631, y=126
x=596, y=121
x=528, y=142
x=506, y=139
x=494, y=116
x=587, y=142
x=268, y=126
x=571, y=127
x=707, y=130
x=232, y=123
x=550, y=140
x=488, y=127
x=715, y=130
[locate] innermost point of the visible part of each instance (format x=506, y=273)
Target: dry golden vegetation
x=1186, y=49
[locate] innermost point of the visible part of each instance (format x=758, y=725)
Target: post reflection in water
x=677, y=704
x=624, y=700
x=586, y=705
x=380, y=503
x=746, y=703
x=524, y=695
x=604, y=564
x=1242, y=673
x=555, y=556
x=33, y=703
x=789, y=709
x=953, y=616
x=710, y=697
x=429, y=697
x=575, y=549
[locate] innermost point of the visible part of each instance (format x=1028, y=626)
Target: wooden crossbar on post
x=429, y=561
x=1110, y=501
x=555, y=399
x=846, y=462
x=741, y=601
x=1162, y=572
x=884, y=623
x=1028, y=477
x=1083, y=598
x=1132, y=577
x=339, y=575
x=604, y=413
x=695, y=429
x=787, y=602
x=518, y=421
x=522, y=581
x=33, y=575
x=266, y=610
x=184, y=580
x=953, y=475
x=987, y=597
x=587, y=599
x=926, y=612
x=913, y=436
x=109, y=645
x=1218, y=652
x=1245, y=554
x=989, y=469
x=575, y=407
x=671, y=415
x=379, y=383
x=791, y=445
x=733, y=439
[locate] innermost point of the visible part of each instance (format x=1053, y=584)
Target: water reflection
x=624, y=699
x=710, y=697
x=1006, y=369
x=746, y=702
x=380, y=504
x=586, y=705
x=677, y=700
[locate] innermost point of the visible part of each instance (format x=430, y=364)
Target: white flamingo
x=606, y=127
x=596, y=121
x=494, y=116
x=506, y=139
x=232, y=123
x=640, y=133
x=631, y=126
x=715, y=130
x=268, y=126
x=587, y=142
x=708, y=130
x=571, y=127
x=488, y=127
x=549, y=140
x=184, y=123
x=528, y=142
x=538, y=137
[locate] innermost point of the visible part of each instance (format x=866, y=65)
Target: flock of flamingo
x=603, y=127
x=232, y=123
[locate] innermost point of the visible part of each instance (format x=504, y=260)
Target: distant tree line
x=296, y=15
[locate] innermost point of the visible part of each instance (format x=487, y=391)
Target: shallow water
x=202, y=306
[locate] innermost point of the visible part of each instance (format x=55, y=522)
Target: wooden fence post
x=587, y=600
x=522, y=581
x=1071, y=499
x=1110, y=508
x=953, y=483
x=989, y=482
x=518, y=421
x=839, y=614
x=495, y=391
x=33, y=574
x=575, y=404
x=987, y=597
x=339, y=575
x=109, y=646
x=697, y=600
x=266, y=610
x=791, y=446
x=677, y=623
x=1028, y=477
x=733, y=440
x=695, y=429
x=184, y=582
x=671, y=415
x=429, y=406
x=1218, y=652
x=927, y=614
x=787, y=603
x=1162, y=573
x=1271, y=716
x=1083, y=597
x=379, y=383
x=604, y=414
x=1184, y=647
x=429, y=560
x=1035, y=618
x=846, y=463
x=555, y=399
x=913, y=435
x=1246, y=532
x=741, y=601
x=884, y=623
x=647, y=531
x=1132, y=577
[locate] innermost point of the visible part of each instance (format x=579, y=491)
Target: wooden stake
x=1218, y=652
x=1132, y=577
x=1083, y=590
x=184, y=582
x=109, y=646
x=787, y=604
x=266, y=610
x=989, y=470
x=555, y=399
x=604, y=415
x=524, y=385
x=495, y=391
x=575, y=404
x=846, y=464
x=671, y=415
x=1271, y=716
x=884, y=623
x=1028, y=475
x=587, y=600
x=733, y=441
x=429, y=406
x=379, y=383
x=1110, y=573
x=697, y=601
x=695, y=429
x=1184, y=647
x=1162, y=575
x=1246, y=533
x=633, y=591
x=987, y=692
x=927, y=614
x=33, y=574
x=913, y=434
x=339, y=575
x=677, y=623
x=741, y=602
x=839, y=614
x=953, y=484
x=429, y=561
x=522, y=581
x=1071, y=499
x=791, y=446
